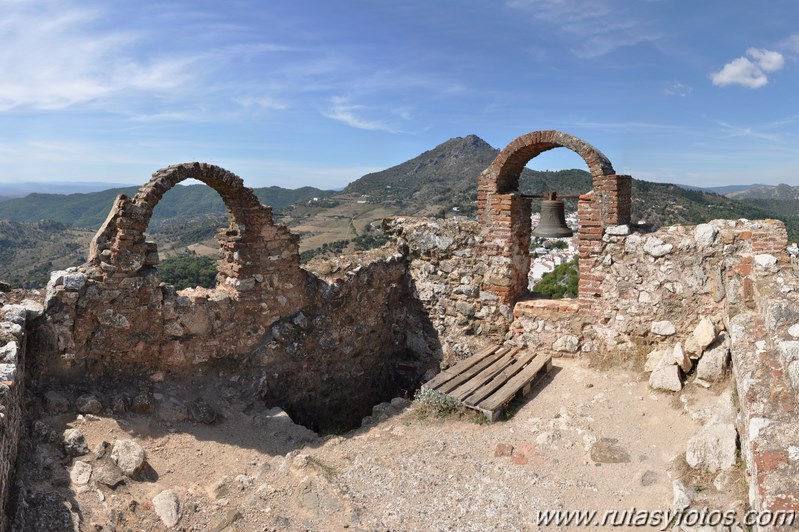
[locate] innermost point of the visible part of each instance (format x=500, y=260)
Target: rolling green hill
x=90, y=210
x=30, y=250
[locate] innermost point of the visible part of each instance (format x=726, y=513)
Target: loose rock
x=88, y=404
x=682, y=498
x=666, y=378
x=167, y=506
x=713, y=364
x=608, y=451
x=201, y=412
x=75, y=442
x=80, y=474
x=56, y=403
x=705, y=333
x=128, y=455
x=567, y=344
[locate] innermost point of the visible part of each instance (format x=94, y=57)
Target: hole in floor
x=338, y=404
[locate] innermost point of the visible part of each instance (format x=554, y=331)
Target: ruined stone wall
x=13, y=347
x=324, y=343
x=764, y=329
x=446, y=273
x=352, y=344
x=651, y=285
x=356, y=346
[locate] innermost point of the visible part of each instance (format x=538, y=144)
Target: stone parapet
x=13, y=347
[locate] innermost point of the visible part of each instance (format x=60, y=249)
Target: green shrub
x=188, y=270
x=561, y=282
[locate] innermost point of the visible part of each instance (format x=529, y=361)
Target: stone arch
x=504, y=214
x=121, y=250
x=503, y=174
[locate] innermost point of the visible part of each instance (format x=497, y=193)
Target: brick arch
x=120, y=247
x=504, y=172
x=504, y=213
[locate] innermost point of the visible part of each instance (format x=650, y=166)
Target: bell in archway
x=553, y=219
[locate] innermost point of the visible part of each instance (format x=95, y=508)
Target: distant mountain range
x=17, y=190
x=760, y=192
x=439, y=182
x=90, y=209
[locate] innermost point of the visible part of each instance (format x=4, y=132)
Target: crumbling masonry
x=329, y=341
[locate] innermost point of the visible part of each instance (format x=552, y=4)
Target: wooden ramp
x=489, y=379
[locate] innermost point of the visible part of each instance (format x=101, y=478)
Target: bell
x=553, y=219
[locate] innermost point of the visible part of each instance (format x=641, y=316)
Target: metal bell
x=553, y=219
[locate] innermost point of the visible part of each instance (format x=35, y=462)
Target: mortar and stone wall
x=13, y=346
x=674, y=274
x=311, y=340
x=764, y=329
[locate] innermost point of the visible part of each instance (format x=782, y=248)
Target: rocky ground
x=173, y=456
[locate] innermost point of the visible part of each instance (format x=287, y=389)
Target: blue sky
x=319, y=93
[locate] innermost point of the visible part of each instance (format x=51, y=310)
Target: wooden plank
x=471, y=372
x=460, y=367
x=494, y=384
x=466, y=389
x=509, y=389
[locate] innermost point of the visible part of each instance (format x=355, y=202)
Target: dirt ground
x=405, y=469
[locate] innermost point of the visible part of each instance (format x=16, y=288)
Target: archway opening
x=184, y=227
x=554, y=267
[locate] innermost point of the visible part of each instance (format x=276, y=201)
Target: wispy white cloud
x=750, y=73
x=737, y=131
x=58, y=54
x=171, y=116
x=262, y=102
x=342, y=110
x=792, y=43
x=599, y=26
x=676, y=88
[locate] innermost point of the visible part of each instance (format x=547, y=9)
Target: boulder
x=128, y=455
x=618, y=230
x=75, y=442
x=56, y=403
x=81, y=473
x=666, y=377
x=713, y=364
x=201, y=412
x=692, y=348
x=108, y=474
x=88, y=404
x=682, y=498
x=567, y=344
x=705, y=333
x=74, y=281
x=653, y=359
x=167, y=506
x=713, y=448
x=678, y=356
